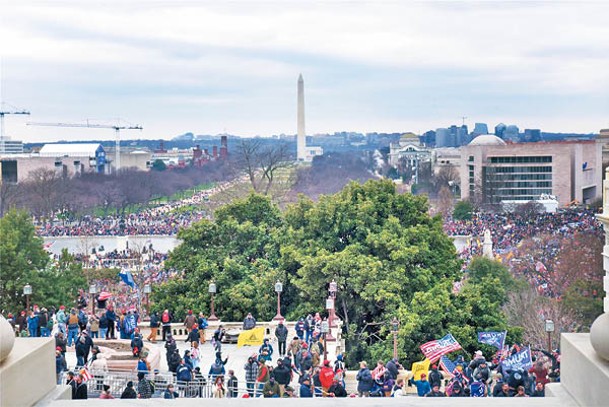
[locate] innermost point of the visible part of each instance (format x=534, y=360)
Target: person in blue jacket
x=423, y=386
x=364, y=380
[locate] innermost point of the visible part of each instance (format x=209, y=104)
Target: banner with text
x=418, y=368
x=521, y=360
x=493, y=338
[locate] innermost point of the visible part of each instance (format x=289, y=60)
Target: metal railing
x=199, y=387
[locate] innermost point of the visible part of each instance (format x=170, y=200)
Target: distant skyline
x=212, y=67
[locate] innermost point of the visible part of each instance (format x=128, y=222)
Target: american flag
x=86, y=375
x=447, y=365
x=435, y=349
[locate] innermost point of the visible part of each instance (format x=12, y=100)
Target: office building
x=493, y=170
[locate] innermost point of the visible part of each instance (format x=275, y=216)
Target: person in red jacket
x=326, y=377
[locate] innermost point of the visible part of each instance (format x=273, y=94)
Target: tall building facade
x=493, y=171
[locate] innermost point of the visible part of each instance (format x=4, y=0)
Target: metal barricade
x=199, y=387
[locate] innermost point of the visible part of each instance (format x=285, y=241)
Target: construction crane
x=5, y=112
x=117, y=129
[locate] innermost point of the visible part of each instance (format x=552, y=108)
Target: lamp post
x=549, y=330
x=212, y=292
x=330, y=308
x=147, y=291
x=395, y=326
x=332, y=291
x=325, y=328
x=27, y=291
x=278, y=290
x=92, y=291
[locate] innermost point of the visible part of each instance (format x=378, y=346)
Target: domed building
x=487, y=140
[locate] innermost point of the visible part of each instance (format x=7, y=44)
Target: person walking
x=166, y=321
x=281, y=333
x=154, y=327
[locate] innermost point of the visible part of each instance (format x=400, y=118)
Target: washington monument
x=301, y=141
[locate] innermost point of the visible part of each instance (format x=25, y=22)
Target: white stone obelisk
x=301, y=141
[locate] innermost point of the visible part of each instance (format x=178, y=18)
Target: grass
x=154, y=202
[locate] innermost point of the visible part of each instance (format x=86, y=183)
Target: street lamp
x=212, y=292
x=549, y=330
x=27, y=291
x=278, y=290
x=330, y=308
x=93, y=291
x=325, y=328
x=147, y=291
x=395, y=326
x=332, y=290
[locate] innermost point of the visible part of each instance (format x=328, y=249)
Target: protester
x=364, y=380
x=170, y=392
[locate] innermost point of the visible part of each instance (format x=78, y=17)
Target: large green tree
x=21, y=254
x=388, y=257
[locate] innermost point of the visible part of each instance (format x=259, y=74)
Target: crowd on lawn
x=165, y=219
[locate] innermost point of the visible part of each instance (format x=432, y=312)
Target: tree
x=263, y=163
x=463, y=210
x=10, y=194
x=446, y=177
x=45, y=191
x=58, y=283
x=159, y=165
x=21, y=254
x=527, y=309
x=529, y=209
x=445, y=202
x=387, y=255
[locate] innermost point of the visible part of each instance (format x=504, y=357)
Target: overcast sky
x=214, y=66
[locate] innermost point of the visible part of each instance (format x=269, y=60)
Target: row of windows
x=507, y=192
x=519, y=177
x=520, y=169
x=515, y=160
x=516, y=184
x=526, y=198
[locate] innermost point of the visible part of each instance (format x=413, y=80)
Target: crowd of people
x=296, y=368
x=165, y=219
x=477, y=377
x=512, y=235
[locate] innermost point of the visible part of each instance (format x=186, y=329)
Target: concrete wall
x=28, y=373
x=583, y=374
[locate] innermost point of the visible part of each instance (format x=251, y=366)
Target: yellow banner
x=419, y=368
x=252, y=337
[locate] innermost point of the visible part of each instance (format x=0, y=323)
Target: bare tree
x=529, y=310
x=446, y=177
x=445, y=202
x=10, y=195
x=45, y=188
x=262, y=163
